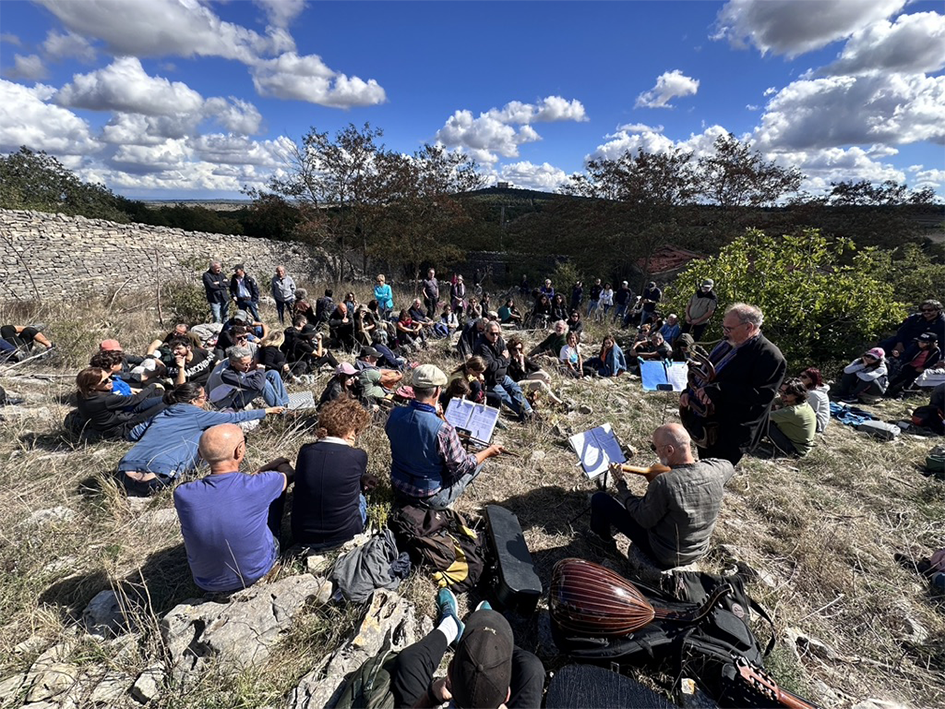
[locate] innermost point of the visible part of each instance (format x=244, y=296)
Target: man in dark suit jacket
x=491, y=347
x=727, y=415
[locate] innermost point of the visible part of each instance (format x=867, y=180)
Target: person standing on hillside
x=702, y=306
x=283, y=292
x=217, y=289
x=431, y=293
x=594, y=298
x=726, y=408
x=651, y=296
x=622, y=299
x=244, y=291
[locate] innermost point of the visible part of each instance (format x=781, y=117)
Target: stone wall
x=54, y=255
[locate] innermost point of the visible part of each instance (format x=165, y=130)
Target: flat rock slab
x=240, y=632
x=388, y=614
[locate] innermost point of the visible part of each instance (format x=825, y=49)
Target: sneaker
x=484, y=606
x=595, y=541
x=447, y=606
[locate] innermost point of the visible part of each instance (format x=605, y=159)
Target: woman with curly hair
x=328, y=506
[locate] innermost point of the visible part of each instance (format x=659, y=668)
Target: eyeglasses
x=929, y=310
x=727, y=328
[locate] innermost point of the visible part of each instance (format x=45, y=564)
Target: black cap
x=928, y=337
x=481, y=670
x=309, y=330
x=370, y=352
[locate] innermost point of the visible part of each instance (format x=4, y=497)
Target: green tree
x=822, y=299
x=642, y=194
x=35, y=180
x=736, y=176
x=339, y=174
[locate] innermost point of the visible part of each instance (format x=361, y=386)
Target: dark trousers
x=852, y=385
x=781, y=442
x=695, y=330
x=414, y=668
x=607, y=512
x=726, y=451
x=281, y=306
x=904, y=378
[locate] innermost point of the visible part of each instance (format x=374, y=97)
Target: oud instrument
x=591, y=600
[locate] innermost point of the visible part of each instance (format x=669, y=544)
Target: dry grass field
x=821, y=533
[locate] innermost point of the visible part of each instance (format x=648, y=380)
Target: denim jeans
x=250, y=306
x=448, y=495
x=511, y=395
x=274, y=393
x=221, y=311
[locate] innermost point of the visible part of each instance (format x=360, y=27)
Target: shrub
x=822, y=299
x=187, y=301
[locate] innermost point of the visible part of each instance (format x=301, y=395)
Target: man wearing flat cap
x=429, y=466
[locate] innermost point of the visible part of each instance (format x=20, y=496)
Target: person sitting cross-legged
x=673, y=522
x=793, y=426
x=491, y=347
x=328, y=503
x=428, y=464
x=238, y=380
x=231, y=520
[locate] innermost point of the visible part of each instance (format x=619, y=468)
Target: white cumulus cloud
x=526, y=175
x=239, y=150
x=27, y=119
x=124, y=86
x=933, y=177
x=308, y=78
x=669, y=85
x=912, y=44
x=494, y=133
x=855, y=110
x=281, y=13
x=157, y=28
x=823, y=166
x=792, y=28
x=29, y=67
x=235, y=114
x=643, y=138
x=64, y=46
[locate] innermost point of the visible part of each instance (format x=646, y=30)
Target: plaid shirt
x=456, y=461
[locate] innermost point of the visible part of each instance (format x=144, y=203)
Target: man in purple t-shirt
x=230, y=520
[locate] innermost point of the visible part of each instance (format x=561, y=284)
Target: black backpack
x=717, y=651
x=443, y=540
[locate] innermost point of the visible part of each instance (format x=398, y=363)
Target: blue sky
x=178, y=99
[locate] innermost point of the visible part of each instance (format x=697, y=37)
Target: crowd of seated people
x=189, y=405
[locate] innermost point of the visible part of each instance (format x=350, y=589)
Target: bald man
x=673, y=522
x=231, y=520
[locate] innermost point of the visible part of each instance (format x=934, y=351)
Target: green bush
x=187, y=301
x=823, y=300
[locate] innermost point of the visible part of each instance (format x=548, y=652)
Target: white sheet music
x=478, y=420
x=597, y=449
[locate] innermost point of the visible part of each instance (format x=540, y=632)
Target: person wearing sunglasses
x=930, y=318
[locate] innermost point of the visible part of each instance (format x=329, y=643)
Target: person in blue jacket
x=610, y=362
x=166, y=445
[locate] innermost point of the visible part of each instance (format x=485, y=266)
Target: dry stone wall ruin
x=54, y=255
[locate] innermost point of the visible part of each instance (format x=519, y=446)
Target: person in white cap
x=429, y=466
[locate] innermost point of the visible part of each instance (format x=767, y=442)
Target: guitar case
x=515, y=583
